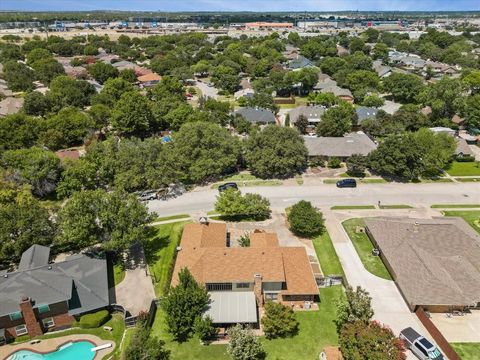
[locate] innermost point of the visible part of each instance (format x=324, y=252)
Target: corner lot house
x=339, y=147
x=41, y=296
x=435, y=263
x=240, y=279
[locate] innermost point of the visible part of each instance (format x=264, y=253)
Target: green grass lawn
x=352, y=207
x=327, y=255
x=118, y=273
x=464, y=168
x=364, y=247
x=453, y=206
x=172, y=217
x=395, y=206
x=471, y=217
x=475, y=179
x=160, y=253
x=116, y=323
x=467, y=351
x=316, y=330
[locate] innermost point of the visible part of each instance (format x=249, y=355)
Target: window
x=16, y=315
x=271, y=296
x=243, y=285
x=21, y=330
x=48, y=322
x=219, y=287
x=421, y=349
x=43, y=309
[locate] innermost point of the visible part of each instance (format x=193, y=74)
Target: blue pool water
x=72, y=351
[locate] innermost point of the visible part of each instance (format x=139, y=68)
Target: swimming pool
x=80, y=350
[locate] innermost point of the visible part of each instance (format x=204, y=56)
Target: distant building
x=260, y=25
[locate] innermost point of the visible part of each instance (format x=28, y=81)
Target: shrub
x=244, y=240
x=233, y=206
x=334, y=163
x=279, y=321
x=465, y=158
x=305, y=220
x=94, y=320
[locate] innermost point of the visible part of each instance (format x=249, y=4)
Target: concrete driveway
x=207, y=91
x=464, y=328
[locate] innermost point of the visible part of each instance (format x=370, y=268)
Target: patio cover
x=232, y=307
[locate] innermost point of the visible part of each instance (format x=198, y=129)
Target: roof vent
x=5, y=276
x=178, y=248
x=203, y=220
x=257, y=276
x=49, y=267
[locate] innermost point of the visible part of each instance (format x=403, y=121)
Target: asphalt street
x=326, y=195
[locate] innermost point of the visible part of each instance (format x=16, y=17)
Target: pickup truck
x=420, y=346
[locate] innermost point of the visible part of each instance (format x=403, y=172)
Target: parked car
x=347, y=183
x=420, y=346
x=148, y=195
x=230, y=185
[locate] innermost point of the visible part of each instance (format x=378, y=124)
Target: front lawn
x=160, y=253
x=327, y=256
x=471, y=217
x=400, y=206
x=171, y=217
x=316, y=330
x=118, y=273
x=353, y=207
x=467, y=351
x=464, y=168
x=453, y=206
x=364, y=247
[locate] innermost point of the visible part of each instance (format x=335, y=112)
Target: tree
x=205, y=151
x=128, y=75
x=356, y=165
x=356, y=44
x=330, y=65
x=370, y=341
x=23, y=222
x=100, y=115
x=116, y=220
x=69, y=127
x=231, y=204
x=240, y=124
x=302, y=124
x=132, y=114
x=305, y=220
x=243, y=344
x=111, y=92
x=203, y=327
x=380, y=51
x=38, y=54
x=90, y=50
x=279, y=321
x=472, y=111
x=36, y=104
x=411, y=117
x=444, y=97
x=47, y=69
x=277, y=152
x=263, y=100
x=18, y=76
x=78, y=175
x=65, y=91
x=472, y=80
x=183, y=304
x=403, y=87
x=102, y=71
x=18, y=131
x=356, y=306
x=373, y=101
x=362, y=81
x=34, y=166
x=325, y=99
x=337, y=121
x=144, y=346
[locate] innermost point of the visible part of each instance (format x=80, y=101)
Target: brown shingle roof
x=204, y=253
x=435, y=262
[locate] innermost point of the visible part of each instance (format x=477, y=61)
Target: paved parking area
x=459, y=328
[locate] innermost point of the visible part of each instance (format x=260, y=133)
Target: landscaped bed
x=464, y=168
x=364, y=247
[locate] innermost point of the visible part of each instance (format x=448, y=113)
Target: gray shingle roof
x=312, y=113
x=256, y=115
x=80, y=279
x=353, y=143
x=332, y=87
x=299, y=63
x=34, y=256
x=436, y=262
x=365, y=113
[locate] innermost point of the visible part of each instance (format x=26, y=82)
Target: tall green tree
x=276, y=152
x=337, y=121
x=279, y=321
x=403, y=87
x=356, y=306
x=132, y=115
x=183, y=304
x=244, y=344
x=18, y=131
x=65, y=91
x=18, y=76
x=47, y=69
x=102, y=71
x=144, y=346
x=232, y=204
x=305, y=220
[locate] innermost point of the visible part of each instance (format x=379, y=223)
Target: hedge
x=94, y=320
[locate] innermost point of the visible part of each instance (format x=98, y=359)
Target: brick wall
x=446, y=348
x=33, y=326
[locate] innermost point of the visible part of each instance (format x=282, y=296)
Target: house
x=463, y=149
x=300, y=62
x=435, y=263
x=291, y=52
x=75, y=71
x=240, y=279
x=324, y=81
x=257, y=115
x=339, y=147
x=4, y=89
x=41, y=295
x=457, y=120
x=245, y=84
x=440, y=68
x=364, y=112
x=312, y=113
x=344, y=94
x=441, y=129
x=10, y=105
x=470, y=139
x=123, y=65
x=246, y=93
x=149, y=79
x=342, y=51
x=382, y=71
x=74, y=153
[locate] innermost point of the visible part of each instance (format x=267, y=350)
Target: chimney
x=203, y=220
x=257, y=289
x=33, y=326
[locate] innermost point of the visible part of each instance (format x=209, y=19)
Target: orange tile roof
x=204, y=253
x=149, y=77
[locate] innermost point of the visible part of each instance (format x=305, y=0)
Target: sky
x=240, y=5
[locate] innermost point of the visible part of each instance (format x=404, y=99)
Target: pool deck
x=50, y=345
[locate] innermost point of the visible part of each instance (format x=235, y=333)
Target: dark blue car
x=347, y=183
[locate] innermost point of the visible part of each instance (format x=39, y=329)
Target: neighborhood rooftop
x=353, y=143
